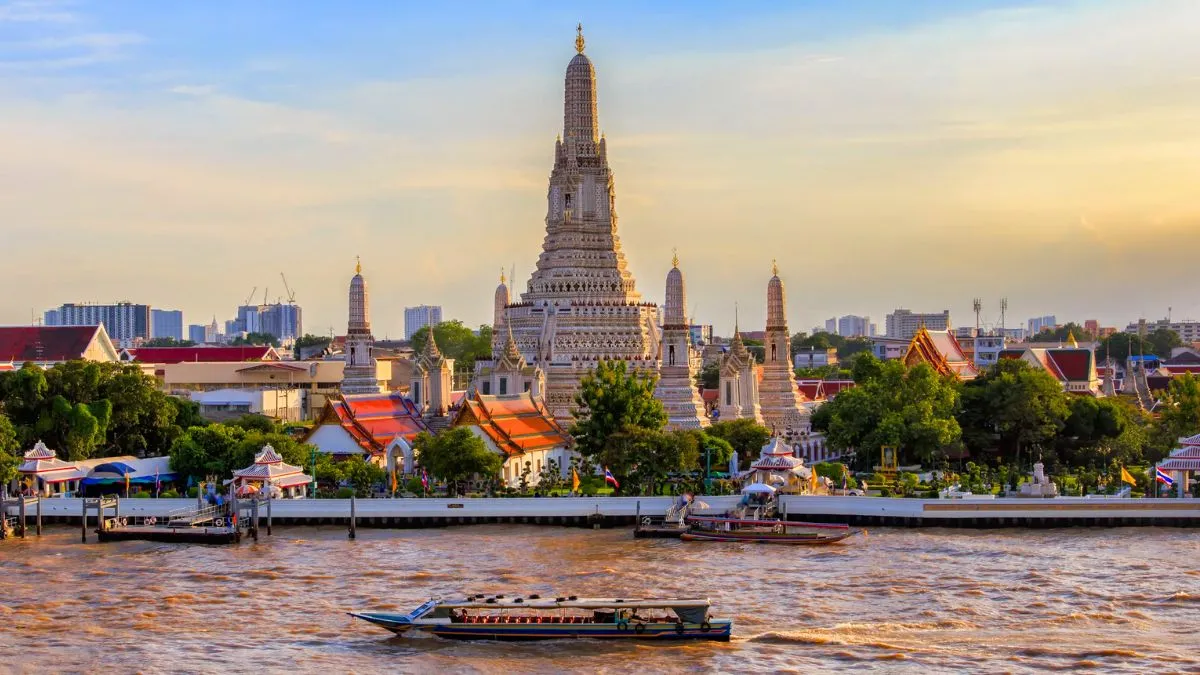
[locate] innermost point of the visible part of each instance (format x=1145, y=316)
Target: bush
x=344, y=493
x=885, y=492
x=168, y=494
x=932, y=494
x=193, y=491
x=140, y=495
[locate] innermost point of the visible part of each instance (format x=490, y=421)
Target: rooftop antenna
x=1003, y=310
x=977, y=304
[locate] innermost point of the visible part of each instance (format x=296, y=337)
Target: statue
x=1040, y=486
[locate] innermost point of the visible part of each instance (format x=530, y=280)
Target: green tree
x=1013, y=407
x=709, y=377
x=1162, y=341
x=831, y=372
x=455, y=456
x=167, y=342
x=746, y=437
x=1062, y=333
x=10, y=451
x=718, y=449
x=255, y=339
x=612, y=399
x=362, y=475
x=1120, y=346
x=309, y=340
x=909, y=409
x=206, y=451
x=1179, y=414
x=457, y=342
x=643, y=458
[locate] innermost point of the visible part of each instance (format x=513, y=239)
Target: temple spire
x=357, y=265
x=675, y=258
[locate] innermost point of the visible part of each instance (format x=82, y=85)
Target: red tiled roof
x=1075, y=365
x=516, y=424
x=818, y=390
x=373, y=420
x=709, y=395
x=204, y=354
x=45, y=343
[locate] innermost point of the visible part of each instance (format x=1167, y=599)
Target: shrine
x=269, y=472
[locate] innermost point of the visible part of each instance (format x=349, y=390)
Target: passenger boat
x=498, y=617
x=703, y=528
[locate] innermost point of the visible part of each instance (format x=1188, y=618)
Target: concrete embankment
x=613, y=511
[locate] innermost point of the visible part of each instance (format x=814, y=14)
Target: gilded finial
x=501, y=275
x=357, y=265
x=774, y=267
x=579, y=38
x=675, y=258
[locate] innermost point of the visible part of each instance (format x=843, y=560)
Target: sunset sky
x=889, y=154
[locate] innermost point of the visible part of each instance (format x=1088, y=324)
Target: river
x=898, y=601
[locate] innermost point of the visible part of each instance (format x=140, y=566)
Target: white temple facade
x=782, y=408
x=432, y=380
x=738, y=396
x=359, y=376
x=580, y=305
x=676, y=387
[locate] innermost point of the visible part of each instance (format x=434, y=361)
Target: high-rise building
x=702, y=334
x=281, y=320
x=51, y=317
x=166, y=323
x=854, y=326
x=124, y=322
x=1189, y=331
x=1040, y=323
x=904, y=323
x=831, y=325
x=416, y=318
x=196, y=333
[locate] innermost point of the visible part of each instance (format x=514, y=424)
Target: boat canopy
x=579, y=603
x=755, y=488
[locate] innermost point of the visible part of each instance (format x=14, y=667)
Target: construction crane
x=291, y=295
x=250, y=297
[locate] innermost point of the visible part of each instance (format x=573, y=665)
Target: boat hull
x=766, y=538
x=718, y=629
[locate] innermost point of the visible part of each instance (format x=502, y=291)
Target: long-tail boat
x=498, y=617
x=705, y=528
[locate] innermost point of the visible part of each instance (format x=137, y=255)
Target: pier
x=624, y=511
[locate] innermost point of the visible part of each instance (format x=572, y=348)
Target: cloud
x=909, y=167
x=35, y=11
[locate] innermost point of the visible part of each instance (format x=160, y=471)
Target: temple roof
x=269, y=467
x=516, y=423
x=941, y=351
x=204, y=354
x=373, y=420
x=42, y=462
x=1065, y=364
x=43, y=344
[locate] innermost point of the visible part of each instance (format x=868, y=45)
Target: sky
x=887, y=154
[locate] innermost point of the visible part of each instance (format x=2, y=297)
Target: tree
x=206, y=451
x=456, y=455
x=10, y=451
x=613, y=399
x=909, y=409
x=1120, y=346
x=167, y=342
x=309, y=340
x=709, y=377
x=642, y=458
x=744, y=436
x=362, y=475
x=1162, y=341
x=832, y=372
x=1012, y=407
x=1061, y=333
x=1180, y=413
x=255, y=339
x=457, y=342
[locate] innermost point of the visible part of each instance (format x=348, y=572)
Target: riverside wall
x=621, y=511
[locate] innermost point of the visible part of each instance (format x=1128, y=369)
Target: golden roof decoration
x=579, y=42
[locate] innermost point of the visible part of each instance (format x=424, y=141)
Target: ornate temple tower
x=498, y=323
x=359, y=376
x=738, y=397
x=580, y=305
x=781, y=407
x=433, y=380
x=676, y=386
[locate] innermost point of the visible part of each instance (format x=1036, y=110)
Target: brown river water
x=1115, y=600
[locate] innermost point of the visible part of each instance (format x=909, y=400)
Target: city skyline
x=939, y=137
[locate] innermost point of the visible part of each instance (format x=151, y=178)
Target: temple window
x=773, y=354
x=527, y=385
x=503, y=386
x=728, y=393
x=671, y=355
x=416, y=392
x=487, y=388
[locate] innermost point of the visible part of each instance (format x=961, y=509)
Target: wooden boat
x=534, y=618
x=701, y=528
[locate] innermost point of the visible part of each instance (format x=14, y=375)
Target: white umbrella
x=697, y=504
x=758, y=488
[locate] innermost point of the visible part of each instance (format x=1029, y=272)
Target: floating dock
x=626, y=511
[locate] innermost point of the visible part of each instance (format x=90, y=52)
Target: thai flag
x=424, y=479
x=157, y=483
x=1163, y=477
x=611, y=479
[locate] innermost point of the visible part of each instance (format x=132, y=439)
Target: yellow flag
x=1128, y=477
x=394, y=480
x=574, y=480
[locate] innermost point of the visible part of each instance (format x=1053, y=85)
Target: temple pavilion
x=44, y=474
x=285, y=480
x=940, y=349
x=779, y=467
x=1183, y=462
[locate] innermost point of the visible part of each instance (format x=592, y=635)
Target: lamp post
x=312, y=461
x=708, y=469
